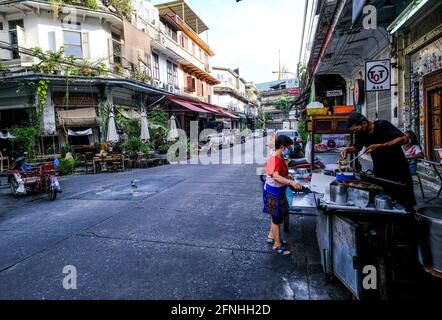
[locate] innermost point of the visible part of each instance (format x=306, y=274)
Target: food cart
x=355, y=236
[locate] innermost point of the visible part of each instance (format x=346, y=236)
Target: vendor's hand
x=296, y=185
x=344, y=153
x=290, y=177
x=373, y=147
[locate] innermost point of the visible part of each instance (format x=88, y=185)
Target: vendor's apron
x=275, y=201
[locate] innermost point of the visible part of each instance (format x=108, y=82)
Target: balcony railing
x=169, y=43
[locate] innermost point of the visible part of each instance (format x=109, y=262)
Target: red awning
x=214, y=110
x=217, y=110
x=188, y=105
x=231, y=115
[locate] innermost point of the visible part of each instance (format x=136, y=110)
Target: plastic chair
x=419, y=182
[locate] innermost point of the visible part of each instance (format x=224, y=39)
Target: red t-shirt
x=275, y=164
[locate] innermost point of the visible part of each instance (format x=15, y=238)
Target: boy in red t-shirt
x=275, y=201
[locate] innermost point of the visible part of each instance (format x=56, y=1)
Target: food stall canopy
x=78, y=117
x=82, y=133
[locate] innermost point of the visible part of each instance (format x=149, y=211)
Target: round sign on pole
x=378, y=75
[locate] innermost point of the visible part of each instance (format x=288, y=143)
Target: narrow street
x=179, y=232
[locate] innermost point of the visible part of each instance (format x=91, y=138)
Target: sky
x=248, y=34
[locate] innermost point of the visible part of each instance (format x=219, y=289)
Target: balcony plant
x=119, y=69
x=141, y=76
x=50, y=61
x=122, y=7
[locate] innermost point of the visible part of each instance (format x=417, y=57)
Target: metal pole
x=377, y=105
x=313, y=151
x=302, y=38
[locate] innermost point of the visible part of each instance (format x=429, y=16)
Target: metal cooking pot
x=338, y=192
x=382, y=202
x=430, y=237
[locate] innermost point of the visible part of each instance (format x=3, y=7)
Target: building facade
x=341, y=48
x=272, y=92
x=237, y=95
x=417, y=34
x=89, y=61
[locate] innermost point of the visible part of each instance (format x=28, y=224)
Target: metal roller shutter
x=384, y=111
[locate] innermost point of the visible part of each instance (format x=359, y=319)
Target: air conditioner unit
x=170, y=88
x=156, y=83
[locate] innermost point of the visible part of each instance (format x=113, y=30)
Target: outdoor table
x=436, y=166
x=105, y=159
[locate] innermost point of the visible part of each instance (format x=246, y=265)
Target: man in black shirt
x=384, y=142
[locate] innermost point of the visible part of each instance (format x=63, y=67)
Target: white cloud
x=249, y=34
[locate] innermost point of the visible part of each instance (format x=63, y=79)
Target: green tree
x=284, y=103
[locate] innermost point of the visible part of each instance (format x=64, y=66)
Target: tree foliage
x=284, y=103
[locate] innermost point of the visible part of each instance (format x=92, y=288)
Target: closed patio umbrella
x=173, y=134
x=144, y=127
x=112, y=135
x=6, y=135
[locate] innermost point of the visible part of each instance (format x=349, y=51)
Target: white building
x=236, y=94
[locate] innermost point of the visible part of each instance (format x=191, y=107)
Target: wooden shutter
x=190, y=84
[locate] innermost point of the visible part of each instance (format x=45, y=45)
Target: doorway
x=433, y=114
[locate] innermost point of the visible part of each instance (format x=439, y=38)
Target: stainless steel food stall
x=356, y=234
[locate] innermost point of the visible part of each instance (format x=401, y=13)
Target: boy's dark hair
x=355, y=118
x=414, y=139
x=283, y=140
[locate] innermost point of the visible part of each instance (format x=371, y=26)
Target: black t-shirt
x=389, y=163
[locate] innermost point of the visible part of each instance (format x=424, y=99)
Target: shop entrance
x=433, y=114
x=434, y=121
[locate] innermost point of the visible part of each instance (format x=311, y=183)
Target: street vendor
x=384, y=142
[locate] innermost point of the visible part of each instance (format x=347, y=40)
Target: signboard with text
x=378, y=75
x=334, y=93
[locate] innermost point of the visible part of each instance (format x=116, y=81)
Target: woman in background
x=413, y=151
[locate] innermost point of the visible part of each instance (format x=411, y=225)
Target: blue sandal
x=282, y=250
x=272, y=241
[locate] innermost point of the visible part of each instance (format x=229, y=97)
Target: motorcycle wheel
x=52, y=194
x=14, y=186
